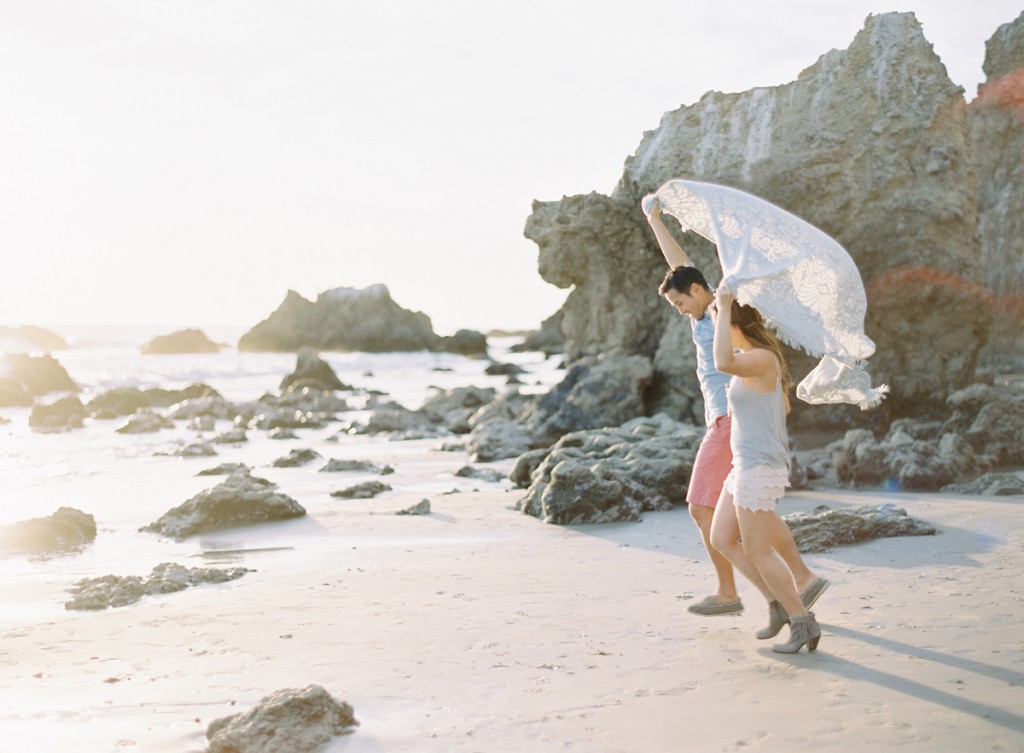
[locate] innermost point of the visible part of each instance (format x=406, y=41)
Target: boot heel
x=803, y=631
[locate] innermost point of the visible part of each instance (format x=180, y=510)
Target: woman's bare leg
x=756, y=529
x=725, y=534
x=785, y=546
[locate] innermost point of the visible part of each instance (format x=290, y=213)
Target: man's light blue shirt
x=713, y=383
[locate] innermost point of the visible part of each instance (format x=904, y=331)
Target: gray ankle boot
x=777, y=619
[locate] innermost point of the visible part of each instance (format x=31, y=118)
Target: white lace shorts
x=757, y=488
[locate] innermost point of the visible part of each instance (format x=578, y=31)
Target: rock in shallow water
x=182, y=341
x=38, y=374
x=145, y=422
x=240, y=500
x=194, y=450
x=313, y=371
x=67, y=529
x=61, y=415
x=168, y=577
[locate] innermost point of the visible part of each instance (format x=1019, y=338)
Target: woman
x=745, y=349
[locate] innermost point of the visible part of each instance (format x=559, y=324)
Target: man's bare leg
x=702, y=516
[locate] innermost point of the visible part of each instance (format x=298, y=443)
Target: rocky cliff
x=875, y=145
x=996, y=119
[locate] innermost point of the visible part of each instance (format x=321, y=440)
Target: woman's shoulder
x=764, y=360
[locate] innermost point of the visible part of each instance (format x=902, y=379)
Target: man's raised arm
x=673, y=252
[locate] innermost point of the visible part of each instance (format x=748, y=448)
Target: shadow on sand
x=855, y=672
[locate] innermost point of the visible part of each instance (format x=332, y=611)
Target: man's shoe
x=710, y=605
x=813, y=591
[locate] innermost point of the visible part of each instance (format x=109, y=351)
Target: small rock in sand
x=366, y=490
x=295, y=458
x=420, y=508
x=288, y=721
x=225, y=469
x=363, y=466
x=482, y=474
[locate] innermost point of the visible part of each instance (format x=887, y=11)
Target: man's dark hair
x=681, y=278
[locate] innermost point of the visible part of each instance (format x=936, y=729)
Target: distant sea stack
x=353, y=319
x=27, y=339
x=183, y=341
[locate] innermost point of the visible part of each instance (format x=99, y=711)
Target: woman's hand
x=650, y=206
x=724, y=297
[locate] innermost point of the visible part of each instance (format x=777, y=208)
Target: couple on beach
x=742, y=466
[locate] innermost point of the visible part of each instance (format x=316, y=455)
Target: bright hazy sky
x=186, y=162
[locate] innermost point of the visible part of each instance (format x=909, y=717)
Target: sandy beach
x=477, y=628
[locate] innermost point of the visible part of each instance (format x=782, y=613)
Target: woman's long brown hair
x=749, y=320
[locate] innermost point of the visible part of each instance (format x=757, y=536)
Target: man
x=686, y=289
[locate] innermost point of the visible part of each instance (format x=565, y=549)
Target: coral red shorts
x=712, y=464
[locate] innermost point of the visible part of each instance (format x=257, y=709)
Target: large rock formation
x=596, y=246
x=609, y=475
x=597, y=391
x=349, y=319
x=872, y=144
x=996, y=119
x=983, y=428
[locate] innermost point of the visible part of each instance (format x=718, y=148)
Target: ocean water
x=125, y=482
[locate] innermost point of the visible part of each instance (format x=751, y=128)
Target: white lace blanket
x=803, y=282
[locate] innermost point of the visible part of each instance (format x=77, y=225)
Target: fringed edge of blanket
x=875, y=397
